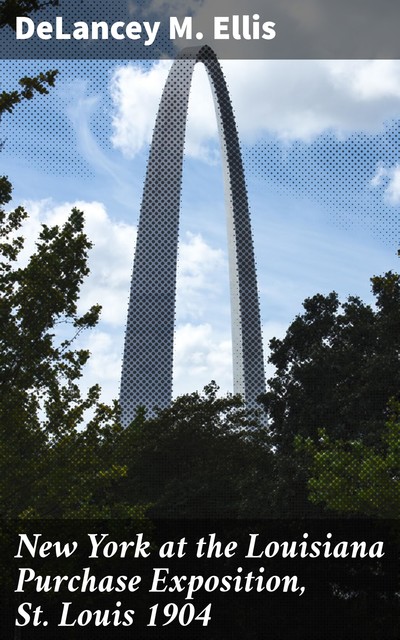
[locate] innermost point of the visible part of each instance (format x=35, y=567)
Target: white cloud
x=390, y=179
x=136, y=94
x=292, y=99
x=367, y=79
x=201, y=271
x=380, y=175
x=201, y=356
x=104, y=366
x=110, y=259
x=297, y=99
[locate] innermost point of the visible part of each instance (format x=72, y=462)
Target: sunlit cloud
x=291, y=99
x=389, y=179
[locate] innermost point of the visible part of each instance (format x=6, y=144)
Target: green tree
x=352, y=477
x=49, y=464
x=29, y=86
x=55, y=461
x=203, y=456
x=336, y=369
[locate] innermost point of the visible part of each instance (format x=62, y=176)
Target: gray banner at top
x=255, y=29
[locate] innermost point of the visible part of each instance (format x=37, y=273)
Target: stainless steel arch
x=148, y=352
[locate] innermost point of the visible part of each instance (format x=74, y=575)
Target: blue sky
x=321, y=149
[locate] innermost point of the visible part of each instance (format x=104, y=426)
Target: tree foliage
x=30, y=86
x=352, y=477
x=65, y=455
x=56, y=460
x=336, y=369
x=204, y=456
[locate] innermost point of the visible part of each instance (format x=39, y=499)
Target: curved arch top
x=148, y=352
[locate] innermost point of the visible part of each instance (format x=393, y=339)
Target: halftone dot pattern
x=339, y=175
x=53, y=145
x=336, y=173
x=148, y=353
